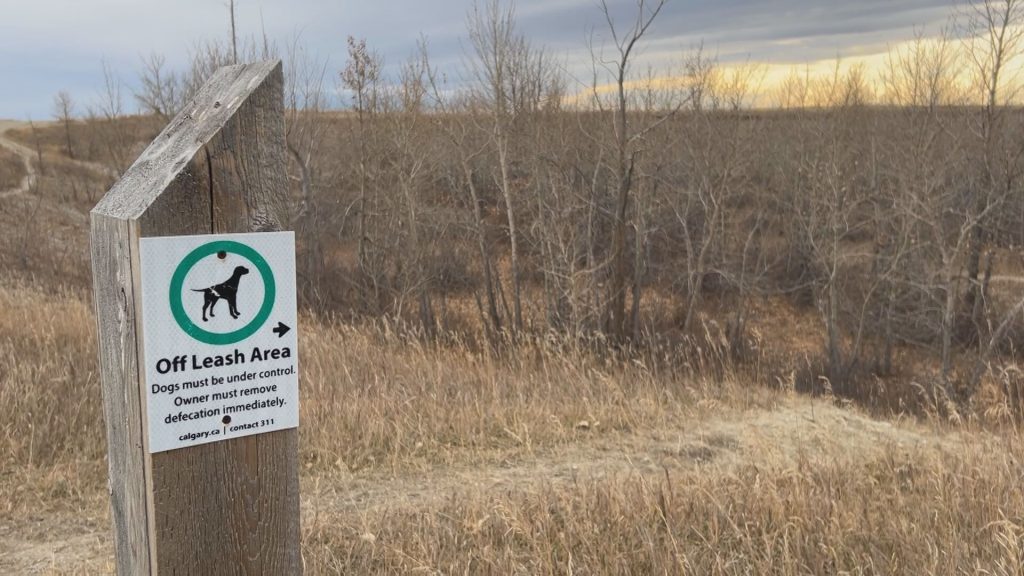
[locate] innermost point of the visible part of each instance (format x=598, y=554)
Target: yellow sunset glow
x=761, y=84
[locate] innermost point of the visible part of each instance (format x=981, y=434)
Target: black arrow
x=281, y=329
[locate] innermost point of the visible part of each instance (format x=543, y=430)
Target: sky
x=52, y=45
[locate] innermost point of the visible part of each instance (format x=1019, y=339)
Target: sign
x=220, y=345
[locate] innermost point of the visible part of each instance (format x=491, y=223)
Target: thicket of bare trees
x=651, y=204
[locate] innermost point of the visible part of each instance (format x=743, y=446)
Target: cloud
x=48, y=45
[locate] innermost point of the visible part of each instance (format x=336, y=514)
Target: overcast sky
x=50, y=45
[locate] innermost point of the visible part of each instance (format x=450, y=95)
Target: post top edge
x=178, y=142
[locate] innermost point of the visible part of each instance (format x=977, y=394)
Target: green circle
x=178, y=281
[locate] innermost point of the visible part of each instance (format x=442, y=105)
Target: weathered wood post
x=224, y=507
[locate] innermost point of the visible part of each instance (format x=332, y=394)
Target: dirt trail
x=27, y=154
x=28, y=183
x=803, y=429
x=798, y=429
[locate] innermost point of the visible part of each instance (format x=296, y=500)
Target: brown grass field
x=425, y=455
x=435, y=459
x=11, y=170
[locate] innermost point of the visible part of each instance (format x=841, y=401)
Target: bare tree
x=161, y=91
x=718, y=151
x=626, y=149
x=928, y=220
x=456, y=109
x=832, y=192
x=411, y=163
x=922, y=74
x=64, y=112
x=306, y=103
x=104, y=118
x=994, y=36
x=510, y=77
x=565, y=221
x=362, y=77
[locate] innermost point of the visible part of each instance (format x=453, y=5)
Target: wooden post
x=229, y=507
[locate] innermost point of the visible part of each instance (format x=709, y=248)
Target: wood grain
x=229, y=507
x=122, y=409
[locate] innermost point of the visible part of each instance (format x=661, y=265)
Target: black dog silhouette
x=227, y=290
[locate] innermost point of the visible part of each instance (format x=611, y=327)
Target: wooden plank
x=229, y=507
x=122, y=409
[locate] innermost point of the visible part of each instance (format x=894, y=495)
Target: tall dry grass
x=375, y=397
x=894, y=514
x=51, y=433
x=12, y=170
x=383, y=408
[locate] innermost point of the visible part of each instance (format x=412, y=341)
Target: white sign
x=220, y=344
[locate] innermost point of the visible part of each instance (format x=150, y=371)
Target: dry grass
x=373, y=398
x=11, y=170
x=73, y=184
x=51, y=437
x=45, y=228
x=432, y=458
x=95, y=140
x=378, y=398
x=43, y=241
x=894, y=514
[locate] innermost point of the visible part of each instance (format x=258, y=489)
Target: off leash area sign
x=194, y=286
x=220, y=345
